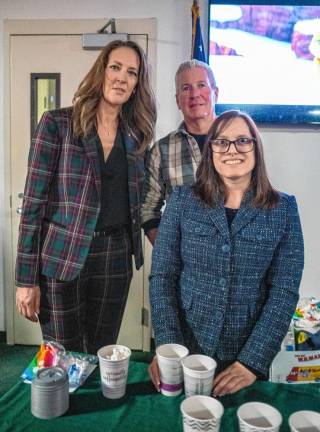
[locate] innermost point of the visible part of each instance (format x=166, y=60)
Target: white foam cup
x=169, y=358
x=198, y=372
x=304, y=421
x=113, y=372
x=258, y=417
x=201, y=413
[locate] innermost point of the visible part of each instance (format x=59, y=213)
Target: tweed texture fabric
x=62, y=201
x=172, y=161
x=229, y=294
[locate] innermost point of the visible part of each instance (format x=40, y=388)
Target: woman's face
x=233, y=165
x=121, y=76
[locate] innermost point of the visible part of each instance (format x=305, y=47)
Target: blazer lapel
x=218, y=217
x=135, y=174
x=129, y=143
x=245, y=214
x=243, y=217
x=90, y=147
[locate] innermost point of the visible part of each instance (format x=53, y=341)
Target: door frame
x=57, y=27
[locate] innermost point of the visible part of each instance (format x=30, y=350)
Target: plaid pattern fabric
x=85, y=314
x=62, y=201
x=226, y=293
x=171, y=161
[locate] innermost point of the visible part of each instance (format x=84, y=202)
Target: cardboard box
x=296, y=367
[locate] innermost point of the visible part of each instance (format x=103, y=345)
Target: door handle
x=19, y=208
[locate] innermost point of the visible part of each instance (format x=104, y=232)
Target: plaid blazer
x=62, y=201
x=229, y=294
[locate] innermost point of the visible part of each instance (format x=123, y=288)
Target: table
x=143, y=409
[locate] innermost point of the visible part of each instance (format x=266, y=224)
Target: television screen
x=266, y=58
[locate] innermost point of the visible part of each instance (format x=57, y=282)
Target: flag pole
x=195, y=16
x=197, y=47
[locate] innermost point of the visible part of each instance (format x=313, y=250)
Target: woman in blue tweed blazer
x=228, y=260
x=80, y=222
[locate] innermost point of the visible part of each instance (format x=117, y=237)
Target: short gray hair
x=190, y=64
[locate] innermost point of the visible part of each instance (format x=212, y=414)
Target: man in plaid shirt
x=173, y=160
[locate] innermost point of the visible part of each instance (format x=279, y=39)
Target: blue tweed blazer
x=227, y=293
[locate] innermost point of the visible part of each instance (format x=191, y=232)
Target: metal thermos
x=50, y=393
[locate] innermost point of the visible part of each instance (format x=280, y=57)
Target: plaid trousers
x=86, y=313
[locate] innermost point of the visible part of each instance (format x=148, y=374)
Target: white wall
x=291, y=155
x=293, y=158
x=2, y=206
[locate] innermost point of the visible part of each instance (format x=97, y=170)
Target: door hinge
x=10, y=200
x=145, y=317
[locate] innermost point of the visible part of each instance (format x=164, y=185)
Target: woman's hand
x=28, y=302
x=232, y=379
x=152, y=234
x=154, y=373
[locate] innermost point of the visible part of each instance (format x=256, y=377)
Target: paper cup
x=201, y=413
x=304, y=421
x=113, y=373
x=258, y=417
x=169, y=358
x=198, y=372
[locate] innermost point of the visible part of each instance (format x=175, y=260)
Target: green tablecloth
x=143, y=409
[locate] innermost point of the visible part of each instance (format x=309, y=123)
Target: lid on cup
x=50, y=377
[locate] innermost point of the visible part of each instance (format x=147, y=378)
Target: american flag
x=197, y=51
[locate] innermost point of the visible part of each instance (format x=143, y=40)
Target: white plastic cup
x=258, y=417
x=304, y=421
x=198, y=372
x=201, y=413
x=169, y=358
x=113, y=373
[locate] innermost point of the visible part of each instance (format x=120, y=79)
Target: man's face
x=195, y=97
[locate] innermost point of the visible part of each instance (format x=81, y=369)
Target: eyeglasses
x=242, y=145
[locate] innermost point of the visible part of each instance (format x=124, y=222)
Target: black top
x=230, y=213
x=201, y=139
x=114, y=210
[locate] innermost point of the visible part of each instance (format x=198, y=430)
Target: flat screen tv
x=266, y=58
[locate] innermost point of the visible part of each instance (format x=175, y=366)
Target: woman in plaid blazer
x=80, y=221
x=228, y=260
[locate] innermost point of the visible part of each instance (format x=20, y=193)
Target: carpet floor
x=13, y=361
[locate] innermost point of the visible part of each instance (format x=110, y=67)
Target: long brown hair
x=209, y=186
x=138, y=114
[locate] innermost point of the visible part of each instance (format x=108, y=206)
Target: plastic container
x=50, y=393
x=288, y=343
